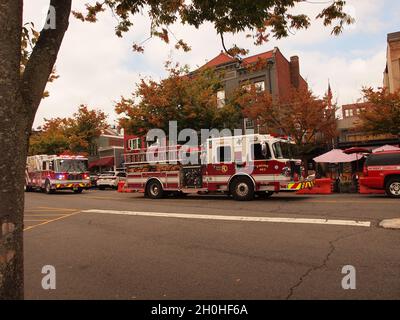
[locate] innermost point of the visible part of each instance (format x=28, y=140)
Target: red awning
x=356, y=150
x=102, y=162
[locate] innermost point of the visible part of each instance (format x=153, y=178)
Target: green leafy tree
x=20, y=94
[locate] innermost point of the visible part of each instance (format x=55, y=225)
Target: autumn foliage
x=309, y=121
x=74, y=134
x=383, y=114
x=190, y=99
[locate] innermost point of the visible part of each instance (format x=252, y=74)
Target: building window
x=260, y=86
x=346, y=113
x=221, y=98
x=350, y=112
x=134, y=143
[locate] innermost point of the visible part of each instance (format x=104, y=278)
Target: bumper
x=70, y=185
x=110, y=184
x=296, y=186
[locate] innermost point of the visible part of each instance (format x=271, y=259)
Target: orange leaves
x=383, y=113
x=189, y=99
x=301, y=115
x=75, y=134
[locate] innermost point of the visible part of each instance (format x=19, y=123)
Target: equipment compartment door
x=191, y=177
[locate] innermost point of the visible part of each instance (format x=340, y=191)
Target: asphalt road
x=135, y=248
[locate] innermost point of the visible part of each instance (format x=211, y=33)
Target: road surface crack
x=323, y=264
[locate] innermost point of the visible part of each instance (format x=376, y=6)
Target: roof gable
x=224, y=58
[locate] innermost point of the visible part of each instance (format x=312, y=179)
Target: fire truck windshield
x=282, y=150
x=72, y=165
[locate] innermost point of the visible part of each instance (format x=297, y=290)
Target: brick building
x=391, y=75
x=275, y=73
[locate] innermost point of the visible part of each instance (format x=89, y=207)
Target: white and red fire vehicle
x=50, y=173
x=242, y=166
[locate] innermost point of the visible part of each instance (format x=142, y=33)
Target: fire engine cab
x=241, y=166
x=50, y=173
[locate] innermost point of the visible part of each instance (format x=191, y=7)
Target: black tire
x=154, y=189
x=28, y=188
x=392, y=187
x=264, y=194
x=79, y=190
x=242, y=189
x=47, y=188
x=179, y=194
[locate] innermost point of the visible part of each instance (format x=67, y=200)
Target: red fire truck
x=50, y=173
x=242, y=166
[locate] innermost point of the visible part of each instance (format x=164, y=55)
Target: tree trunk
x=12, y=152
x=20, y=96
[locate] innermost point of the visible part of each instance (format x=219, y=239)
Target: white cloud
x=96, y=67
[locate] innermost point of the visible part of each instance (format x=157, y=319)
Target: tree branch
x=44, y=56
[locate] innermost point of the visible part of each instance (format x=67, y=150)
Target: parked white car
x=110, y=179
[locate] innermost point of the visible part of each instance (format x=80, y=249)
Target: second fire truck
x=242, y=166
x=50, y=173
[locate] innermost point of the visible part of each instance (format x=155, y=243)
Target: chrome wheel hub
x=395, y=188
x=154, y=190
x=242, y=189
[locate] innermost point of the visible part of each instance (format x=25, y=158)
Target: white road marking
x=353, y=223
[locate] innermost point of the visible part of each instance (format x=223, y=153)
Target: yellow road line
x=45, y=215
x=56, y=209
x=105, y=198
x=48, y=221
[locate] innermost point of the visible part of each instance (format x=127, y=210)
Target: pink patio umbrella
x=386, y=147
x=337, y=156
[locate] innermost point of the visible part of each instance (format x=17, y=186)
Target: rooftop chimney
x=295, y=71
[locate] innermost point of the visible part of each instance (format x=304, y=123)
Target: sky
x=97, y=68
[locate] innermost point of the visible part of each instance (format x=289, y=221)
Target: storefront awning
x=102, y=162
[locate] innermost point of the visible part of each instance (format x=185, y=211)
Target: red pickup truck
x=382, y=171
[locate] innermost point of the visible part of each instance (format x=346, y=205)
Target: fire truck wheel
x=393, y=187
x=154, y=189
x=47, y=188
x=242, y=189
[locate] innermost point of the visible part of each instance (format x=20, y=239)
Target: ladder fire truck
x=241, y=166
x=50, y=173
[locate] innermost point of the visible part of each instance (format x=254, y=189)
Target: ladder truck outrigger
x=240, y=166
x=50, y=173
